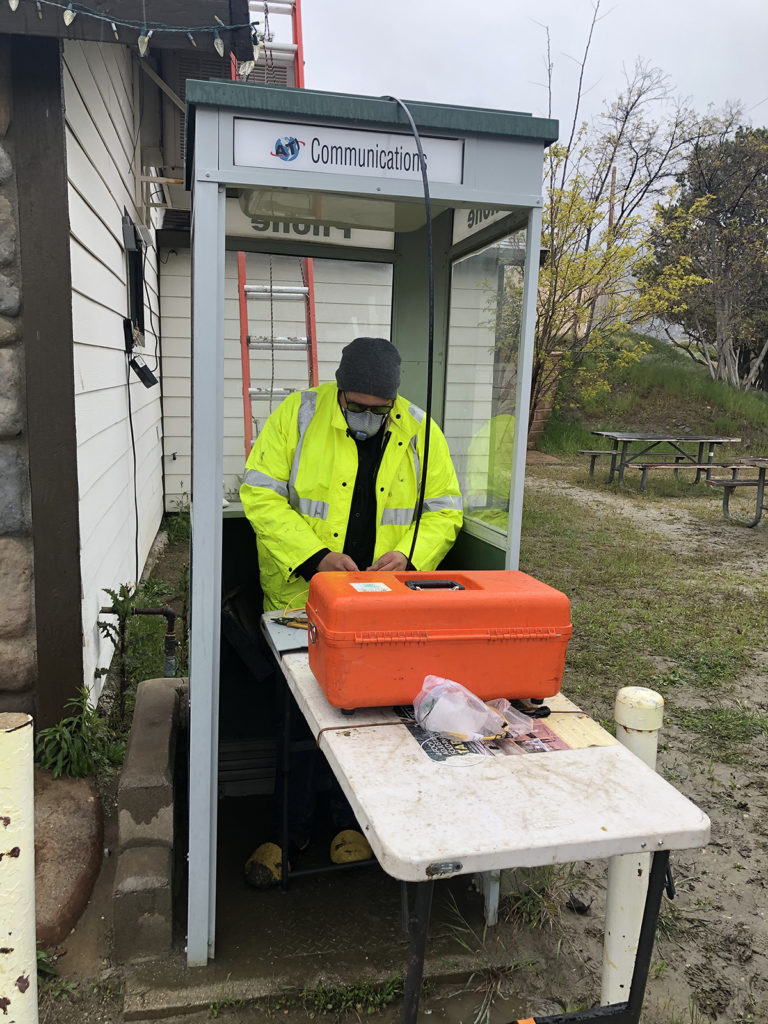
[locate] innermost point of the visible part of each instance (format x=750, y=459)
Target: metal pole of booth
x=207, y=474
x=524, y=374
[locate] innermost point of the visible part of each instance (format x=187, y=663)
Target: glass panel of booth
x=481, y=379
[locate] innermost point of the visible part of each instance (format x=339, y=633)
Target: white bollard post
x=639, y=713
x=18, y=947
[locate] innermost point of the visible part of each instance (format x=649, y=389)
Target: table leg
x=656, y=884
x=622, y=463
x=612, y=470
x=700, y=461
x=629, y=1012
x=404, y=915
x=419, y=926
x=285, y=769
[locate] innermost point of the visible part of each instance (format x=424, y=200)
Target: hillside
x=664, y=391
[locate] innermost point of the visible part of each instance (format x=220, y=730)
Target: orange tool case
x=374, y=636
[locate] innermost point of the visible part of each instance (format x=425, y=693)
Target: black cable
x=133, y=447
x=153, y=326
x=158, y=367
x=430, y=355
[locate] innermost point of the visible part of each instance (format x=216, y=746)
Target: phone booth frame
x=491, y=161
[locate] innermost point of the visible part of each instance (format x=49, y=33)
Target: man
x=332, y=484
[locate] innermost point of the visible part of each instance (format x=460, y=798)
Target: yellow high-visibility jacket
x=299, y=480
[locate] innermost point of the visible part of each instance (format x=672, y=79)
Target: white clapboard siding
x=351, y=299
x=101, y=131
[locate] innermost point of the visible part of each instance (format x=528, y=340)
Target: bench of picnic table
x=594, y=455
x=679, y=463
x=653, y=459
x=729, y=486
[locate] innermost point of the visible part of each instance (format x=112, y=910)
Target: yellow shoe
x=264, y=868
x=349, y=846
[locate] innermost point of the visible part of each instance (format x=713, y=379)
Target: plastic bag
x=450, y=709
x=517, y=723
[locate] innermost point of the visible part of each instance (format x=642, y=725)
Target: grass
x=496, y=973
x=364, y=997
x=726, y=728
x=540, y=895
x=690, y=1015
x=635, y=605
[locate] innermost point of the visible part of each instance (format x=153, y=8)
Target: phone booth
x=334, y=183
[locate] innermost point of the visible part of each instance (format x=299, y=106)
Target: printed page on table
x=540, y=739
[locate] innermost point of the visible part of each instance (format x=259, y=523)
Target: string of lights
x=146, y=29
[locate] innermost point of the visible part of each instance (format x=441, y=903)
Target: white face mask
x=363, y=425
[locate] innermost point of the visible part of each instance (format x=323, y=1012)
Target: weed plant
x=177, y=524
x=540, y=895
x=81, y=744
x=139, y=640
x=90, y=741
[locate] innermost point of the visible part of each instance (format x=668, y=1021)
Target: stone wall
x=18, y=669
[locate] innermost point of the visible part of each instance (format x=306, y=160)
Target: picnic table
x=641, y=450
x=425, y=820
x=736, y=482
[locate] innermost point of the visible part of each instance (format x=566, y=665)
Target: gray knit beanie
x=370, y=366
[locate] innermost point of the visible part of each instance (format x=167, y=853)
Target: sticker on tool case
x=366, y=587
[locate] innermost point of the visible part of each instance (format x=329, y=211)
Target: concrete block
x=6, y=167
x=145, y=793
x=18, y=663
x=11, y=402
x=13, y=488
x=142, y=905
x=7, y=232
x=9, y=330
x=10, y=296
x=16, y=586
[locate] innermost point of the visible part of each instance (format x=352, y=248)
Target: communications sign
x=311, y=147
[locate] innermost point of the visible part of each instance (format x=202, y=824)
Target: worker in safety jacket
x=332, y=484
x=333, y=480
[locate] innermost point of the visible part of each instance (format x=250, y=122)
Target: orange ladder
x=306, y=290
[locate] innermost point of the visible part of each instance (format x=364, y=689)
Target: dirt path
x=742, y=548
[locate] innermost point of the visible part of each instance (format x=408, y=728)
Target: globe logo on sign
x=287, y=148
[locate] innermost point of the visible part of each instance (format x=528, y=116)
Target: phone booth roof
x=350, y=161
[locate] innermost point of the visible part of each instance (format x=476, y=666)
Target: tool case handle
x=434, y=585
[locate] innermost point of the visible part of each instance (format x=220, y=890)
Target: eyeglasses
x=379, y=410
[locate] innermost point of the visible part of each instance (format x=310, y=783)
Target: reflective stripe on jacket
x=299, y=480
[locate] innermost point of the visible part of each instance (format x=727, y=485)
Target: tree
x=709, y=256
x=600, y=187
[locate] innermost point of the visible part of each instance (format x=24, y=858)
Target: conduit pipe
x=18, y=948
x=639, y=713
x=169, y=660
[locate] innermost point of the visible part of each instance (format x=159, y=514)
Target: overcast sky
x=492, y=53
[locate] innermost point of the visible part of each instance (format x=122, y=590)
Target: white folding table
x=426, y=820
